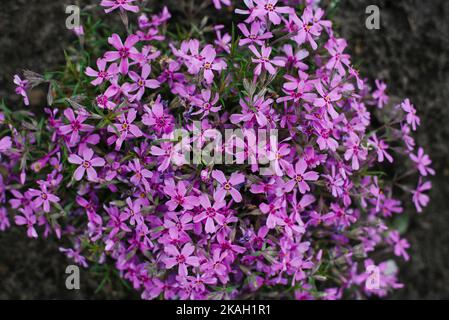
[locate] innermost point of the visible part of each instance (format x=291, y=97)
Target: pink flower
x=28, y=219
x=124, y=51
x=256, y=35
x=76, y=125
x=381, y=148
x=264, y=62
x=206, y=103
x=210, y=213
x=419, y=198
x=181, y=259
x=157, y=118
x=21, y=87
x=412, y=119
x=423, y=162
x=217, y=3
x=300, y=177
x=5, y=144
x=87, y=163
x=124, y=129
x=4, y=221
x=295, y=59
x=119, y=4
x=379, y=95
x=354, y=151
x=210, y=63
x=400, y=245
x=141, y=82
x=228, y=186
x=178, y=196
x=140, y=174
x=43, y=198
x=307, y=30
x=269, y=8
x=102, y=74
x=327, y=99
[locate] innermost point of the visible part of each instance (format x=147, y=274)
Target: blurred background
x=410, y=52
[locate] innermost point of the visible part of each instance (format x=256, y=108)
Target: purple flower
x=181, y=259
x=423, y=162
x=124, y=129
x=264, y=62
x=28, y=219
x=419, y=198
x=228, y=186
x=300, y=177
x=379, y=95
x=141, y=82
x=102, y=74
x=412, y=119
x=124, y=51
x=42, y=198
x=86, y=163
x=268, y=8
x=256, y=35
x=76, y=125
x=119, y=4
x=210, y=213
x=21, y=87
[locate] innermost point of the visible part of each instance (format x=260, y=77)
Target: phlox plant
x=96, y=168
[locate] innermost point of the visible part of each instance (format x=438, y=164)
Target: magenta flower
x=300, y=177
x=141, y=82
x=76, y=125
x=355, y=151
x=179, y=196
x=379, y=95
x=217, y=3
x=124, y=129
x=228, y=186
x=210, y=213
x=5, y=144
x=119, y=4
x=86, y=163
x=307, y=30
x=102, y=74
x=268, y=8
x=157, y=118
x=412, y=119
x=381, y=147
x=206, y=103
x=28, y=219
x=253, y=110
x=295, y=59
x=181, y=259
x=264, y=62
x=400, y=245
x=124, y=51
x=42, y=198
x=21, y=87
x=419, y=198
x=423, y=162
x=210, y=63
x=327, y=99
x=255, y=35
x=140, y=174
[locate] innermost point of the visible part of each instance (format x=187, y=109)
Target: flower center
x=86, y=164
x=299, y=178
x=207, y=66
x=269, y=7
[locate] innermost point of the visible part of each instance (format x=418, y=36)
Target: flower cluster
x=105, y=172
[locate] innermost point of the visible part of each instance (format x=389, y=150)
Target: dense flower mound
x=309, y=216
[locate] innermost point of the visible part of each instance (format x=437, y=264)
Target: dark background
x=410, y=52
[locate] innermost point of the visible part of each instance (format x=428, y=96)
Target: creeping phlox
x=102, y=168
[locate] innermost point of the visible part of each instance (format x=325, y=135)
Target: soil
x=410, y=52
